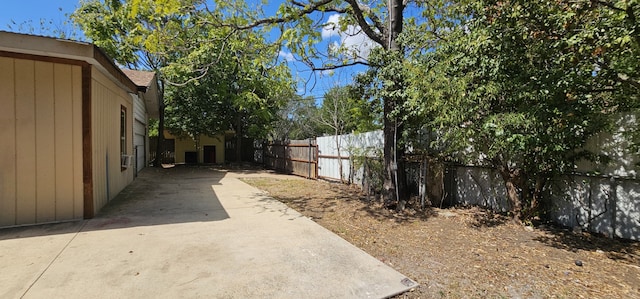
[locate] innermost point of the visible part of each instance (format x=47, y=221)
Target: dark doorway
x=191, y=157
x=209, y=154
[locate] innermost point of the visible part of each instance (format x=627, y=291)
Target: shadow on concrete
x=168, y=236
x=157, y=196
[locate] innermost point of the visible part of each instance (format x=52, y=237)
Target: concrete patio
x=190, y=232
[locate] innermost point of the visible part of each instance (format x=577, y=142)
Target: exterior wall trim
x=51, y=59
x=87, y=144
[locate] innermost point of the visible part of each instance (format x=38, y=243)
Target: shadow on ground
x=318, y=198
x=627, y=251
x=157, y=196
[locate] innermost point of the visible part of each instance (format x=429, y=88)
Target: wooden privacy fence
x=298, y=157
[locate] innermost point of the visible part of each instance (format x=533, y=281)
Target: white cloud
x=327, y=73
x=353, y=41
x=332, y=28
x=288, y=56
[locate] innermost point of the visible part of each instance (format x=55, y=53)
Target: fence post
x=613, y=196
x=309, y=159
x=317, y=159
x=422, y=181
x=365, y=174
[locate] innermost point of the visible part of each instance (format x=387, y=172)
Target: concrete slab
x=27, y=252
x=192, y=233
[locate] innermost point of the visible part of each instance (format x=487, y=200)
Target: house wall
x=140, y=140
x=108, y=177
x=186, y=144
x=41, y=142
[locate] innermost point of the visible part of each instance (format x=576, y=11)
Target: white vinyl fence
x=336, y=150
x=601, y=204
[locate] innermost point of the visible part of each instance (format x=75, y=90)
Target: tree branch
x=374, y=18
x=358, y=13
x=307, y=9
x=334, y=67
x=203, y=72
x=609, y=5
x=622, y=77
x=325, y=9
x=625, y=78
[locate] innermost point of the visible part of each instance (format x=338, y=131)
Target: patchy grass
x=468, y=252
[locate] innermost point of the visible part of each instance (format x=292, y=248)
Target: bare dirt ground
x=468, y=252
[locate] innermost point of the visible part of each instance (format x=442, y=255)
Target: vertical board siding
x=42, y=135
x=139, y=109
x=25, y=141
x=107, y=98
x=7, y=146
x=45, y=156
x=139, y=133
x=99, y=152
x=100, y=159
x=63, y=106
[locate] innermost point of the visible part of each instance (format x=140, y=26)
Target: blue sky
x=27, y=15
x=31, y=12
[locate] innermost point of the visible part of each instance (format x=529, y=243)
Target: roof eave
x=65, y=49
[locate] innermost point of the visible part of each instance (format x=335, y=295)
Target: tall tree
x=200, y=107
x=334, y=114
x=139, y=35
x=382, y=22
x=211, y=70
x=522, y=85
x=296, y=120
x=259, y=88
x=344, y=110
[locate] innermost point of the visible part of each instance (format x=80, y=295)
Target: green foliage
x=153, y=127
x=216, y=78
x=140, y=34
x=522, y=85
x=239, y=92
x=296, y=120
x=365, y=115
x=199, y=107
x=344, y=110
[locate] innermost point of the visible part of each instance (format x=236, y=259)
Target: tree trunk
x=511, y=179
x=514, y=198
x=238, y=136
x=160, y=145
x=395, y=185
x=536, y=198
x=337, y=139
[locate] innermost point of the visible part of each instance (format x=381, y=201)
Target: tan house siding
x=7, y=146
x=109, y=178
x=140, y=143
x=41, y=148
x=60, y=149
x=186, y=144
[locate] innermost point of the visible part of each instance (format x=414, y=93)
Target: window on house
x=123, y=138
